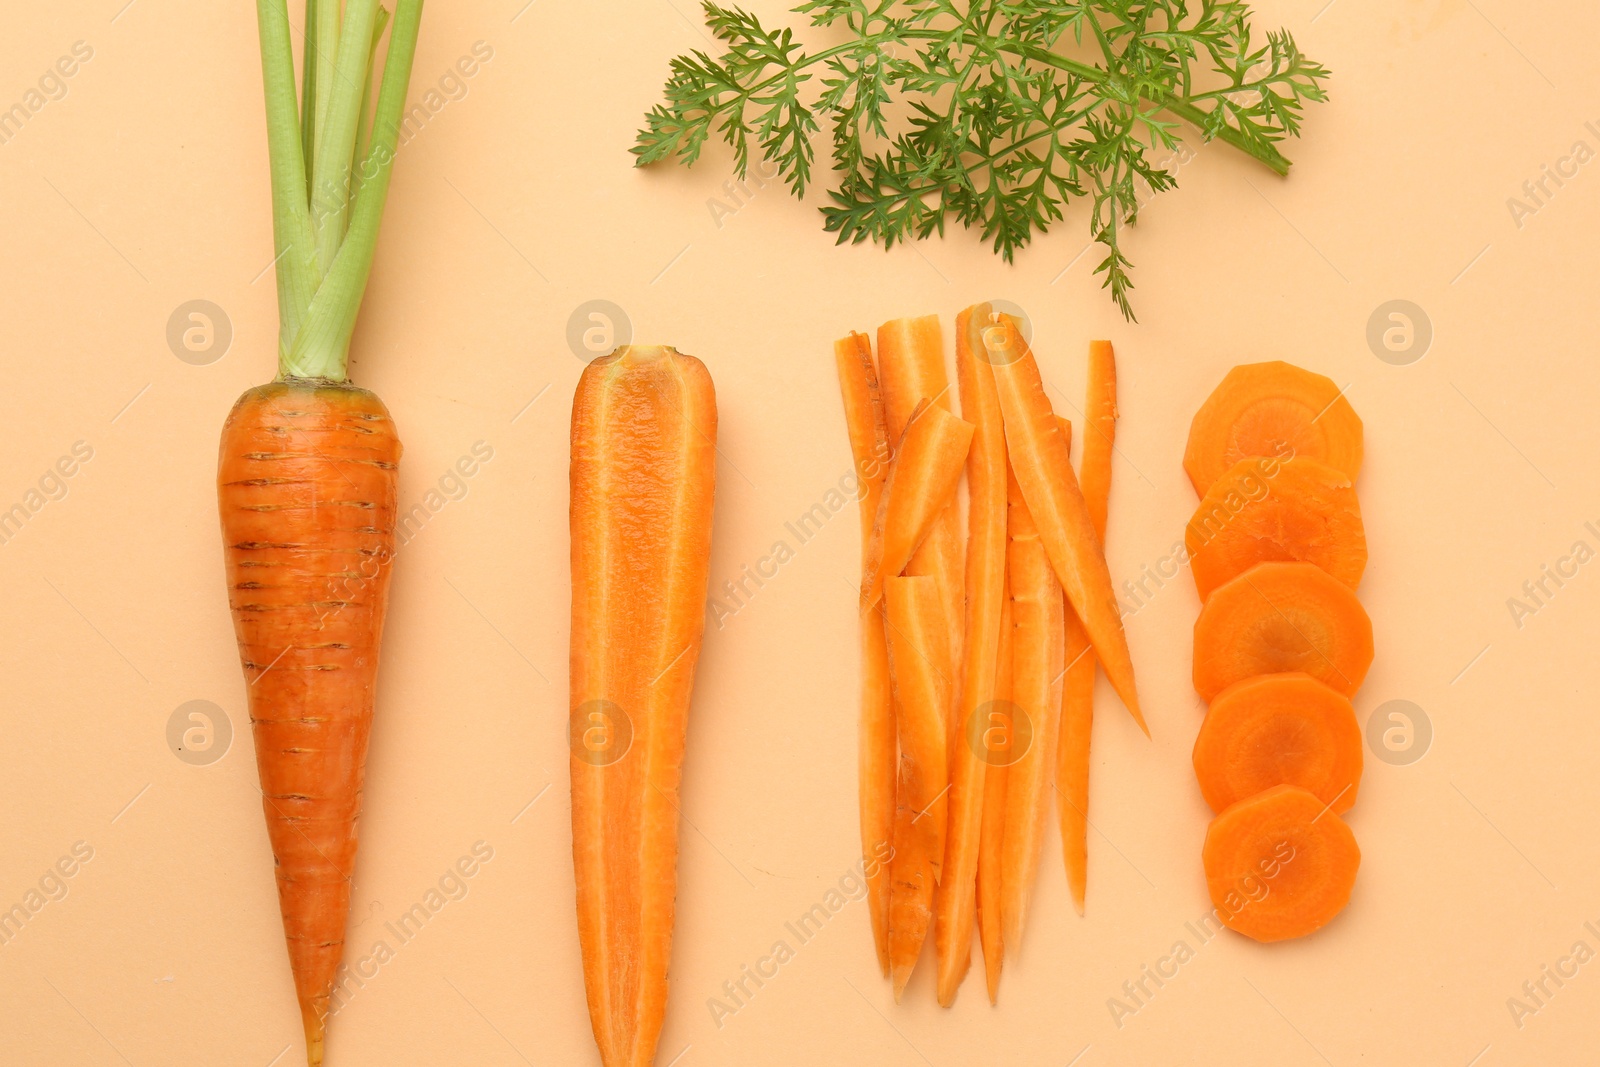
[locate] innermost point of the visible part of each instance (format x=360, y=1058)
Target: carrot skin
x=955, y=902
x=869, y=446
x=306, y=484
x=1044, y=471
x=643, y=474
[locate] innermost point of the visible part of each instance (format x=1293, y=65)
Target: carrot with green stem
x=955, y=902
x=307, y=476
x=1040, y=457
x=644, y=426
x=1077, y=691
x=869, y=447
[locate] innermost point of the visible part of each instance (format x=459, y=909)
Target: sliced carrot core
x=1280, y=617
x=1279, y=729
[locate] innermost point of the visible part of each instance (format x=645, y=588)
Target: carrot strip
x=1044, y=471
x=917, y=637
x=996, y=750
x=307, y=481
x=921, y=486
x=644, y=425
x=1100, y=431
x=1038, y=650
x=911, y=368
x=869, y=447
x=985, y=594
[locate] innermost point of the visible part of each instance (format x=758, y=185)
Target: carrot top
x=330, y=167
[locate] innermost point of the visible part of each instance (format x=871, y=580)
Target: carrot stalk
x=1037, y=663
x=864, y=419
x=996, y=749
x=955, y=902
x=1077, y=690
x=1044, y=471
x=917, y=655
x=921, y=487
x=911, y=369
x=644, y=425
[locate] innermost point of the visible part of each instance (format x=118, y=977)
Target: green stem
x=325, y=27
x=336, y=136
x=321, y=350
x=308, y=95
x=292, y=235
x=364, y=130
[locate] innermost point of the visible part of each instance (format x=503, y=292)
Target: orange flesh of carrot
x=911, y=369
x=643, y=472
x=917, y=638
x=985, y=594
x=996, y=749
x=1279, y=617
x=1039, y=455
x=1289, y=842
x=1265, y=508
x=1038, y=649
x=1271, y=409
x=921, y=487
x=1279, y=729
x=307, y=485
x=1077, y=690
x=869, y=447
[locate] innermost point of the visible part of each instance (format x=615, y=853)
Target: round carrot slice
x=1279, y=864
x=1279, y=729
x=1266, y=509
x=1278, y=617
x=1272, y=409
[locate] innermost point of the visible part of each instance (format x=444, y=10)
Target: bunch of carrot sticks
x=978, y=652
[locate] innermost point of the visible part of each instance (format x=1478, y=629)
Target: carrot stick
x=921, y=486
x=911, y=368
x=1037, y=664
x=644, y=425
x=1077, y=690
x=917, y=638
x=869, y=446
x=996, y=749
x=1044, y=471
x=985, y=594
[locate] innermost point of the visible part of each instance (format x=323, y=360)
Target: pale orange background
x=147, y=187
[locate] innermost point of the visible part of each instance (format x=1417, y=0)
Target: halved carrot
x=917, y=653
x=1279, y=729
x=1265, y=509
x=1279, y=864
x=1272, y=409
x=911, y=368
x=921, y=486
x=994, y=746
x=985, y=595
x=1040, y=458
x=869, y=447
x=644, y=426
x=1280, y=617
x=1037, y=665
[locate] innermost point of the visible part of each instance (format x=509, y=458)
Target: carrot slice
x=1266, y=509
x=994, y=747
x=1044, y=471
x=985, y=595
x=911, y=368
x=1280, y=617
x=1099, y=435
x=1037, y=666
x=917, y=650
x=1279, y=864
x=1272, y=409
x=644, y=425
x=1279, y=729
x=921, y=486
x=869, y=447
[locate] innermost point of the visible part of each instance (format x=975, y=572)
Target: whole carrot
x=306, y=479
x=644, y=426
